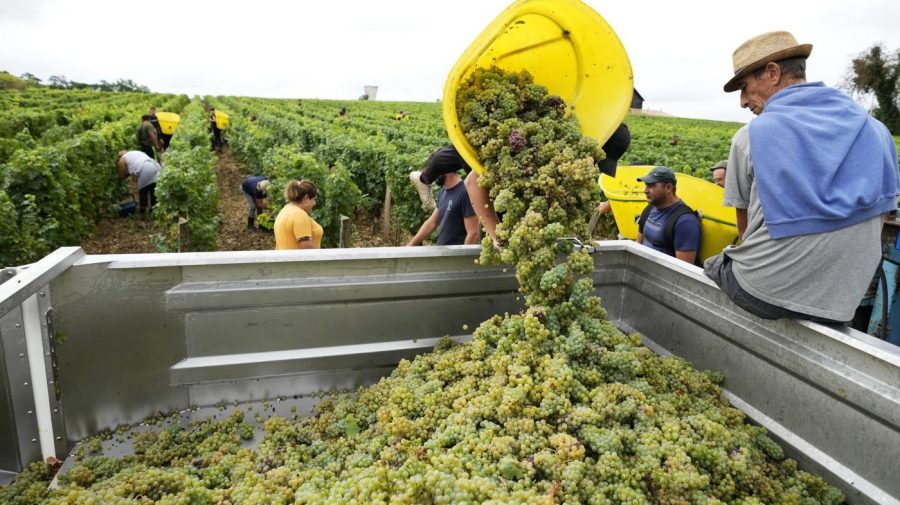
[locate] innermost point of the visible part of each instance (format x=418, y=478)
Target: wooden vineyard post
x=184, y=234
x=386, y=215
x=345, y=232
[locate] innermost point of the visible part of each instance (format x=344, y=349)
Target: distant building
x=637, y=101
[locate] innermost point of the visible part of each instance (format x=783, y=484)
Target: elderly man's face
x=719, y=177
x=754, y=93
x=756, y=88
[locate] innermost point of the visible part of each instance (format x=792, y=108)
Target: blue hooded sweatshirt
x=820, y=162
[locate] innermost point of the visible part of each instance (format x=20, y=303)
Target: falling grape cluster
x=550, y=405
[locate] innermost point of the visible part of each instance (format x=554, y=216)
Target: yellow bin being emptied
x=718, y=224
x=168, y=121
x=567, y=47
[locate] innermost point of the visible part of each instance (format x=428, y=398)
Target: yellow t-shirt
x=293, y=223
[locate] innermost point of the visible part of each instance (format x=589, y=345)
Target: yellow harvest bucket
x=221, y=120
x=718, y=224
x=168, y=121
x=567, y=47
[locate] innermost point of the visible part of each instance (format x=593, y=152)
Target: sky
x=680, y=52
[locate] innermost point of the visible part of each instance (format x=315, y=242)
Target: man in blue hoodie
x=810, y=204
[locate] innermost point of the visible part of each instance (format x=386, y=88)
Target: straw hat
x=760, y=50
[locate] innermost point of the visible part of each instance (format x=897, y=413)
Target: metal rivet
x=43, y=294
x=58, y=438
x=26, y=384
x=33, y=440
x=21, y=354
x=30, y=412
x=56, y=411
x=18, y=325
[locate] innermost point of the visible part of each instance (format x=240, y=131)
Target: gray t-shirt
x=823, y=274
x=145, y=168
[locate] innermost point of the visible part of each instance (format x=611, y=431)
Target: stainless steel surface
x=835, y=389
x=7, y=274
x=51, y=366
x=28, y=280
x=150, y=333
x=231, y=367
x=19, y=438
x=130, y=319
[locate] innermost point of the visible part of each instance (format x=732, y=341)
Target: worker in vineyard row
x=667, y=224
x=254, y=189
x=216, y=132
x=811, y=179
x=294, y=227
x=146, y=170
x=155, y=122
x=453, y=216
x=614, y=148
x=147, y=138
x=444, y=160
x=718, y=173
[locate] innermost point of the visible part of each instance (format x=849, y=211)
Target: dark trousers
x=146, y=195
x=216, y=138
x=719, y=269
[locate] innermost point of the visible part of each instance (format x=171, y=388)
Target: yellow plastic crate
x=567, y=47
x=718, y=224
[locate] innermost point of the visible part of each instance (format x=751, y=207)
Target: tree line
x=9, y=81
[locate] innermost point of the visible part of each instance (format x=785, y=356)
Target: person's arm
x=640, y=238
x=155, y=139
x=741, y=215
x=689, y=256
x=472, y=230
x=481, y=202
x=426, y=229
x=262, y=203
x=687, y=238
x=303, y=231
x=306, y=243
x=123, y=169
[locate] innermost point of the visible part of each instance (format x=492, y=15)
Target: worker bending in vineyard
x=294, y=227
x=811, y=179
x=667, y=224
x=454, y=216
x=254, y=189
x=146, y=170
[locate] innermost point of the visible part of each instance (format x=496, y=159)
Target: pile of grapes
x=550, y=405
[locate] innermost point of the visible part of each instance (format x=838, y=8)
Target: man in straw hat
x=811, y=178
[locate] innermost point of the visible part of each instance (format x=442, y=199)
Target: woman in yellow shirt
x=294, y=228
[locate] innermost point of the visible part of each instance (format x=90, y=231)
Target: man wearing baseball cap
x=811, y=178
x=718, y=173
x=667, y=223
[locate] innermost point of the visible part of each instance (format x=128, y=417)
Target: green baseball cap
x=658, y=174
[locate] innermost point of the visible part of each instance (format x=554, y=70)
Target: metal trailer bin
x=147, y=333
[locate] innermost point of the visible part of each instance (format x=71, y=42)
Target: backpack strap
x=643, y=217
x=669, y=232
